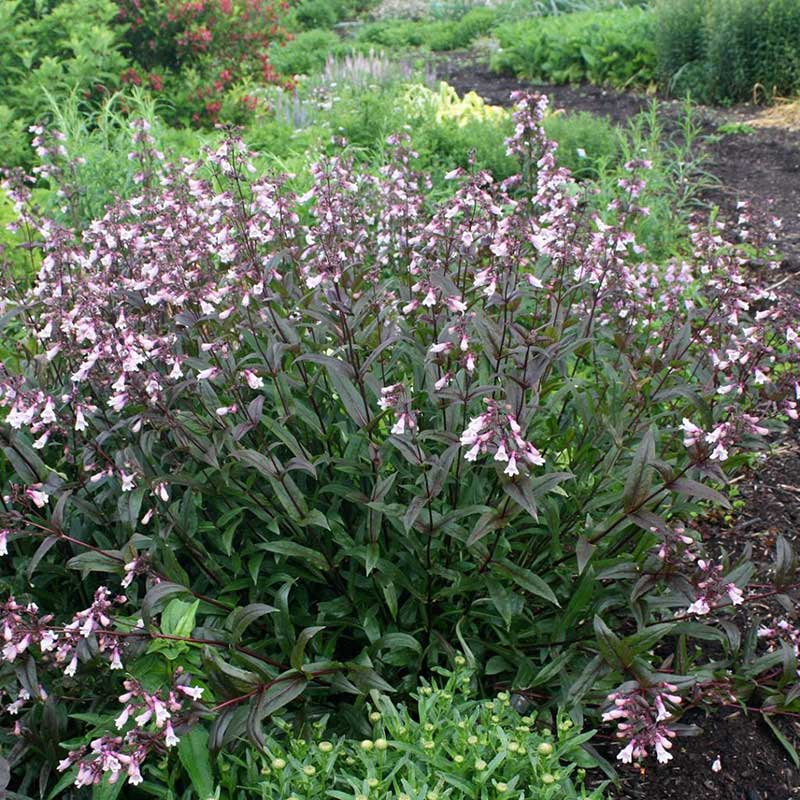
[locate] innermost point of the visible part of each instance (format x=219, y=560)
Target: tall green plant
x=264, y=453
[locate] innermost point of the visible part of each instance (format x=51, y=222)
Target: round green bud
x=278, y=763
x=548, y=778
x=309, y=770
x=375, y=716
x=502, y=787
x=325, y=747
x=458, y=758
x=544, y=749
x=472, y=739
x=428, y=744
x=373, y=782
x=429, y=727
x=503, y=697
x=460, y=661
x=480, y=764
x=381, y=744
x=367, y=744
x=426, y=690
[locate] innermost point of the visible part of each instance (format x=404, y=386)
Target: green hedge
x=724, y=50
x=605, y=47
x=431, y=34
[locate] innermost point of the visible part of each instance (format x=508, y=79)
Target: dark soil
x=764, y=168
x=753, y=766
x=772, y=508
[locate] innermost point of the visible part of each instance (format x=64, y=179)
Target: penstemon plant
x=268, y=451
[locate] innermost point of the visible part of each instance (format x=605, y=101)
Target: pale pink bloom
x=735, y=594
x=626, y=754
x=253, y=380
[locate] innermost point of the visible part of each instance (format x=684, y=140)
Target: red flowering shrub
x=262, y=445
x=201, y=48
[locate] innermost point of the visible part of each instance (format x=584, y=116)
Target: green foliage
x=735, y=129
x=305, y=53
x=317, y=14
x=586, y=143
x=611, y=47
x=445, y=34
x=451, y=745
x=309, y=14
x=52, y=51
x=446, y=145
x=728, y=50
x=96, y=146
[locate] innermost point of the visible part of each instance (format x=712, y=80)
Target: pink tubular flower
x=642, y=717
x=497, y=431
x=396, y=398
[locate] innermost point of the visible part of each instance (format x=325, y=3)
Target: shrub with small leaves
x=452, y=745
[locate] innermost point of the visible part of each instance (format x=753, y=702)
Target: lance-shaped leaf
x=299, y=650
x=637, y=485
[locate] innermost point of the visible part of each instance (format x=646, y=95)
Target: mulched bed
x=753, y=765
x=763, y=167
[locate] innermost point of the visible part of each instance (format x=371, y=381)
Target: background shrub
x=305, y=53
x=612, y=47
x=729, y=50
x=443, y=34
x=196, y=52
x=51, y=51
x=586, y=143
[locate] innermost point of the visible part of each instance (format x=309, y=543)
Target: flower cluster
x=642, y=716
x=24, y=627
x=781, y=630
x=154, y=715
x=397, y=399
x=711, y=589
x=497, y=431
